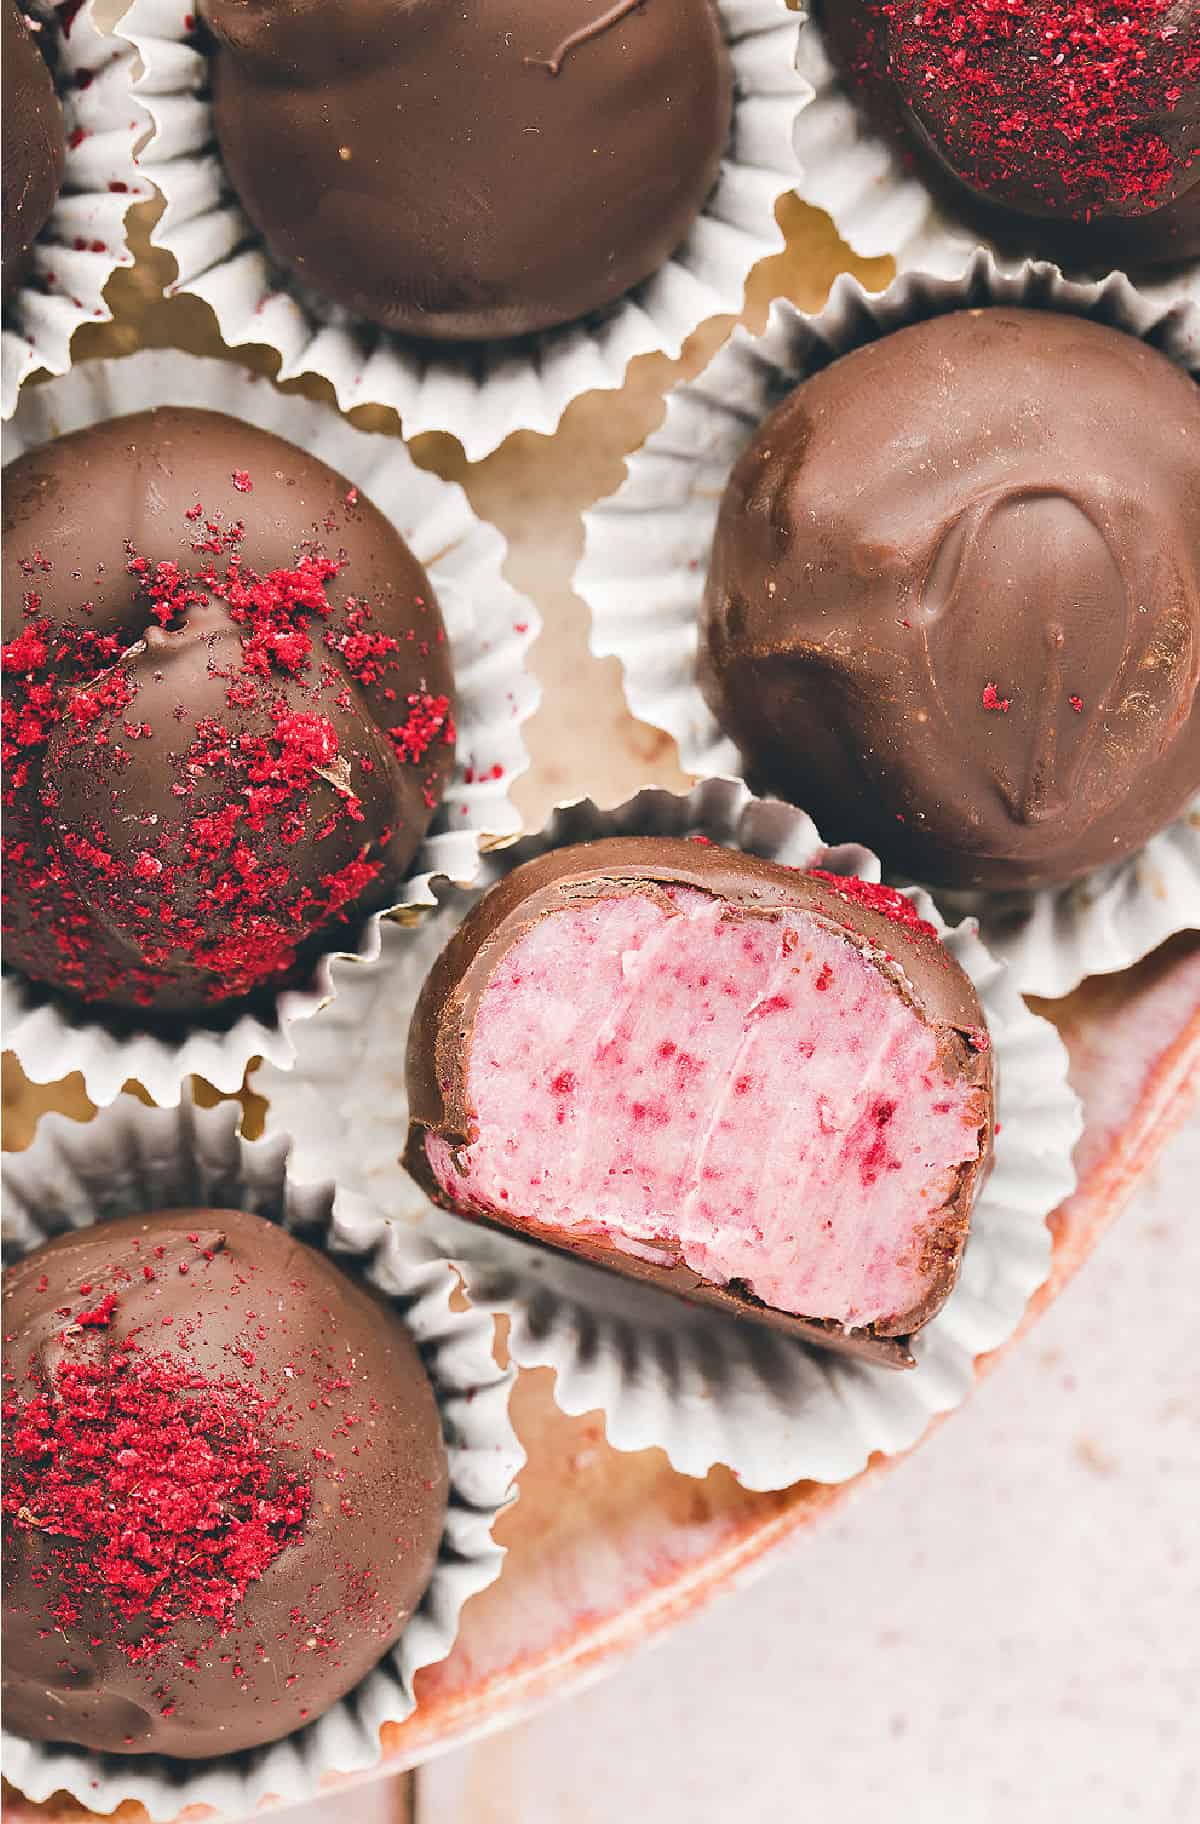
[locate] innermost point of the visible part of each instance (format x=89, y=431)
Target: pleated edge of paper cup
x=473, y=1396
x=527, y=385
x=603, y=1363
x=51, y=1039
x=96, y=195
x=1054, y=937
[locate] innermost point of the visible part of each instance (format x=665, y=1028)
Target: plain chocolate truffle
x=224, y=1484
x=34, y=143
x=1069, y=128
x=766, y=1090
x=228, y=712
x=953, y=606
x=463, y=173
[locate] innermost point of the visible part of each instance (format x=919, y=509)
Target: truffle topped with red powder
x=1068, y=127
x=228, y=711
x=766, y=1090
x=224, y=1484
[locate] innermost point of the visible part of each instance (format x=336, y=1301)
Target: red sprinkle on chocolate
x=877, y=898
x=151, y=1486
x=1065, y=97
x=993, y=700
x=428, y=718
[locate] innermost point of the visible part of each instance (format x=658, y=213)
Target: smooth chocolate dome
x=953, y=606
x=463, y=173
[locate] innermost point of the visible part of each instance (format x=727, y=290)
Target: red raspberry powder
x=1065, y=95
x=151, y=1486
x=219, y=891
x=877, y=898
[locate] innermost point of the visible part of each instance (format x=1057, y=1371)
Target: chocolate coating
x=228, y=716
x=1065, y=129
x=34, y=142
x=475, y=172
x=911, y=963
x=953, y=607
x=230, y=1408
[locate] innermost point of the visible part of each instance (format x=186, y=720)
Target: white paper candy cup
x=131, y=1160
x=482, y=394
x=646, y=557
x=702, y=1386
x=879, y=207
x=83, y=242
x=489, y=625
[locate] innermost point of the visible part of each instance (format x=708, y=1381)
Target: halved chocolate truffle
x=1066, y=127
x=953, y=607
x=470, y=172
x=224, y=1484
x=228, y=711
x=34, y=143
x=764, y=1089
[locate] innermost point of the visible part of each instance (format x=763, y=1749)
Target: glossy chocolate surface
x=225, y=1484
x=462, y=173
x=953, y=607
x=228, y=711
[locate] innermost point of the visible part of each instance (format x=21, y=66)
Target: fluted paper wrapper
x=83, y=241
x=489, y=626
x=880, y=207
x=647, y=552
x=132, y=1160
x=481, y=394
x=704, y=1387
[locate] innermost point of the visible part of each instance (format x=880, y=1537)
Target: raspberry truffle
x=34, y=143
x=470, y=172
x=228, y=711
x=1069, y=128
x=953, y=607
x=224, y=1484
x=766, y=1090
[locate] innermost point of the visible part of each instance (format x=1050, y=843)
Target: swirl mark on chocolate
x=993, y=569
x=559, y=55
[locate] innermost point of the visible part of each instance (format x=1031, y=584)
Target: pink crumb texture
x=745, y=1093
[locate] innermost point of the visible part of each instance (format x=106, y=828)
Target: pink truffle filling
x=745, y=1093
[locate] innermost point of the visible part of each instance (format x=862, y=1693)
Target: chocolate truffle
x=469, y=172
x=1069, y=128
x=224, y=1484
x=34, y=143
x=953, y=607
x=227, y=711
x=767, y=1090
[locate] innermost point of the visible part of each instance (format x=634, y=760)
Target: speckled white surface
x=1003, y=1632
